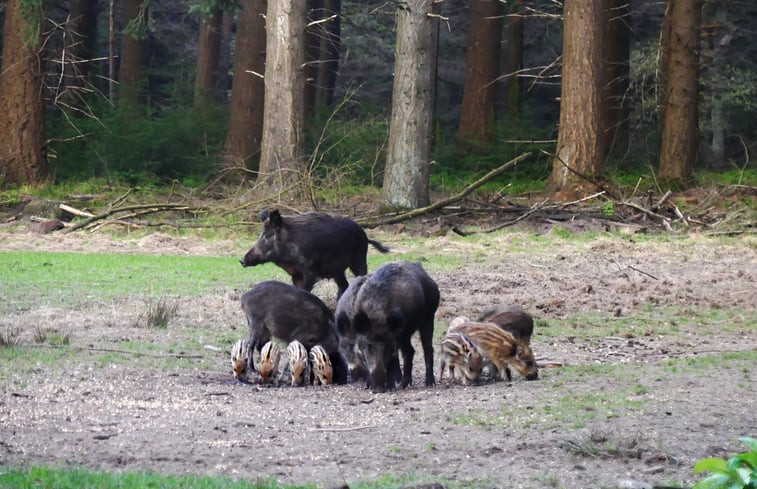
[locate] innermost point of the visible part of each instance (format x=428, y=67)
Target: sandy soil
x=655, y=391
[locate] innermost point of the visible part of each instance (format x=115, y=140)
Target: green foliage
x=142, y=25
x=738, y=472
x=179, y=144
x=456, y=167
x=348, y=149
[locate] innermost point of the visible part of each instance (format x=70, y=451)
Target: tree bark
x=329, y=46
x=406, y=178
x=245, y=129
x=514, y=61
x=477, y=113
x=282, y=164
x=22, y=116
x=132, y=79
x=617, y=64
x=679, y=131
x=580, y=146
x=208, y=52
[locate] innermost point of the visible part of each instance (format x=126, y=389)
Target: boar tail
x=378, y=246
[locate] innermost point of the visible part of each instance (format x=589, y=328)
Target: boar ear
x=275, y=219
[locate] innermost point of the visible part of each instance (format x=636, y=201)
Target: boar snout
x=533, y=376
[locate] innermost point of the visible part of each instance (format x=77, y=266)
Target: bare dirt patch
x=656, y=338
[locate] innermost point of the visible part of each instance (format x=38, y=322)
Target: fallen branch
x=444, y=202
x=115, y=350
x=148, y=208
x=533, y=209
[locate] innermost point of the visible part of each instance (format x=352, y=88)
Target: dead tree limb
x=148, y=208
x=371, y=223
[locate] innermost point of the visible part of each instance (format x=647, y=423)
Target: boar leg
x=342, y=284
x=407, y=359
x=427, y=334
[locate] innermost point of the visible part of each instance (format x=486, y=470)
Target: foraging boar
x=510, y=318
x=501, y=348
x=323, y=373
x=388, y=307
x=283, y=311
x=270, y=356
x=311, y=247
x=345, y=312
x=460, y=355
x=298, y=363
x=239, y=359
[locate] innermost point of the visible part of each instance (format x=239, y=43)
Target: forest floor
x=654, y=342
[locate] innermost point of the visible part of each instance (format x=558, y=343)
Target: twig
x=354, y=428
x=533, y=209
x=444, y=202
x=662, y=200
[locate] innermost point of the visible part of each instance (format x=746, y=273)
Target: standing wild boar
x=311, y=247
x=388, y=307
x=511, y=318
x=283, y=311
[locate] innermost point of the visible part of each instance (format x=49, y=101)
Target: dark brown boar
x=311, y=247
x=386, y=310
x=283, y=311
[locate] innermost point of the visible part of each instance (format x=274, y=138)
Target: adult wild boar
x=283, y=311
x=388, y=307
x=311, y=247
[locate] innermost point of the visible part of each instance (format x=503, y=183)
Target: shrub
x=738, y=472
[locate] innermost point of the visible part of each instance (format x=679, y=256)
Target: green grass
x=36, y=477
x=61, y=478
x=76, y=279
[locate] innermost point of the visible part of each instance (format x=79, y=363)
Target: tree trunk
x=247, y=88
x=406, y=178
x=679, y=130
x=580, y=148
x=329, y=46
x=282, y=164
x=477, y=113
x=312, y=52
x=82, y=34
x=132, y=79
x=514, y=61
x=208, y=52
x=22, y=116
x=665, y=34
x=617, y=64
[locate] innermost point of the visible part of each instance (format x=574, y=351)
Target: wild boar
x=511, y=318
x=239, y=359
x=462, y=357
x=389, y=306
x=270, y=356
x=283, y=311
x=323, y=373
x=299, y=366
x=345, y=313
x=311, y=247
x=501, y=348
